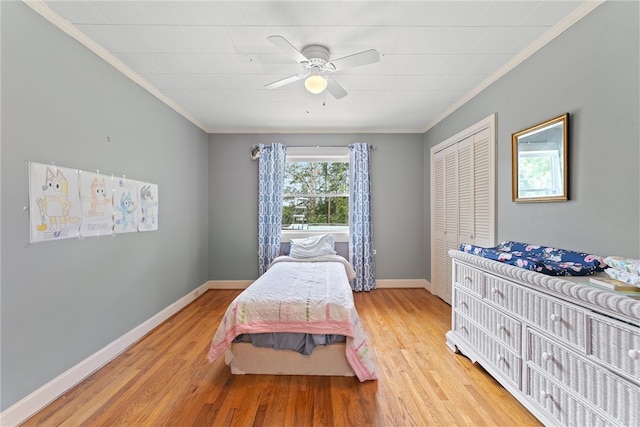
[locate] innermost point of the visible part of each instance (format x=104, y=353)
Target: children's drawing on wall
x=96, y=192
x=54, y=201
x=148, y=205
x=125, y=201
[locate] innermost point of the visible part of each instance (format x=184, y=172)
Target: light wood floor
x=166, y=380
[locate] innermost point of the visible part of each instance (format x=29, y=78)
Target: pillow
x=312, y=246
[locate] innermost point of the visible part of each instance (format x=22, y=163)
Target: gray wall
x=590, y=71
x=397, y=197
x=62, y=301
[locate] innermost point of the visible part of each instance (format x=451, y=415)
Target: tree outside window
x=316, y=196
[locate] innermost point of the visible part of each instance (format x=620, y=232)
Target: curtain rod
x=255, y=149
x=324, y=146
x=373, y=147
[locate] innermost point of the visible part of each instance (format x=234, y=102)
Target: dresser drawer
x=560, y=405
x=607, y=391
x=500, y=359
x=616, y=344
x=469, y=279
x=502, y=327
x=549, y=314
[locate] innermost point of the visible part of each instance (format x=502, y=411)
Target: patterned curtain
x=360, y=224
x=270, y=187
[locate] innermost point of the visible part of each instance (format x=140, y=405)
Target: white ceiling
x=210, y=60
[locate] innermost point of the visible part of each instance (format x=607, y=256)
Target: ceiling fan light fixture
x=315, y=83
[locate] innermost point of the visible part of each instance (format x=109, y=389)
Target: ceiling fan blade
x=287, y=47
x=357, y=59
x=286, y=81
x=335, y=89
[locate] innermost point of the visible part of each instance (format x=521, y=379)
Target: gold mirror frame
x=539, y=162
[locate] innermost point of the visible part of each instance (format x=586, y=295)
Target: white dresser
x=569, y=352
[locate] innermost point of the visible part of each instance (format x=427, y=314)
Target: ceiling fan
x=317, y=66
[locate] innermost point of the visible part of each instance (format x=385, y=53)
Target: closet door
x=446, y=218
x=462, y=198
x=438, y=247
x=466, y=200
x=475, y=190
x=483, y=190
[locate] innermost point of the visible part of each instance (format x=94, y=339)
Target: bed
x=308, y=296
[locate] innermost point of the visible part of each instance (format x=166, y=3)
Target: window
x=316, y=192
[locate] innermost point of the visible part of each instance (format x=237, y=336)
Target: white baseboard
x=429, y=287
x=402, y=283
x=31, y=404
x=229, y=284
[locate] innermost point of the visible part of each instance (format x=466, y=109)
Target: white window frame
x=316, y=154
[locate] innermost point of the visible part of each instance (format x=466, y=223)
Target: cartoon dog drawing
x=99, y=199
x=55, y=205
x=147, y=205
x=126, y=209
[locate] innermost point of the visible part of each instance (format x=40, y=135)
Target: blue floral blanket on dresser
x=543, y=259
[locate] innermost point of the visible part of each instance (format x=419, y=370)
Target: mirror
x=539, y=158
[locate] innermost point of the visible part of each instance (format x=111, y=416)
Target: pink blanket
x=310, y=295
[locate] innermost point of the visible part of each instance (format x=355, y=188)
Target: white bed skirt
x=330, y=360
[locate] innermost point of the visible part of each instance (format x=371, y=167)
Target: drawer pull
x=495, y=291
x=545, y=395
x=546, y=356
x=468, y=278
x=555, y=318
x=500, y=358
x=634, y=354
x=500, y=326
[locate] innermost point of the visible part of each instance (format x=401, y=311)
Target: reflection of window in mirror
x=539, y=161
x=540, y=173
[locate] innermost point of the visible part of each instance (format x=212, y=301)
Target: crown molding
x=41, y=8
x=583, y=10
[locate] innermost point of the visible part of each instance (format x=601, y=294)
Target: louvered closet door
x=447, y=235
x=466, y=223
x=451, y=231
x=483, y=190
x=439, y=246
x=475, y=194
x=463, y=197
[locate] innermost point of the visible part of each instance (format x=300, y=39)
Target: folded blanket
x=625, y=264
x=623, y=276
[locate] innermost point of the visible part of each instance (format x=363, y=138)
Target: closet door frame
x=486, y=123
